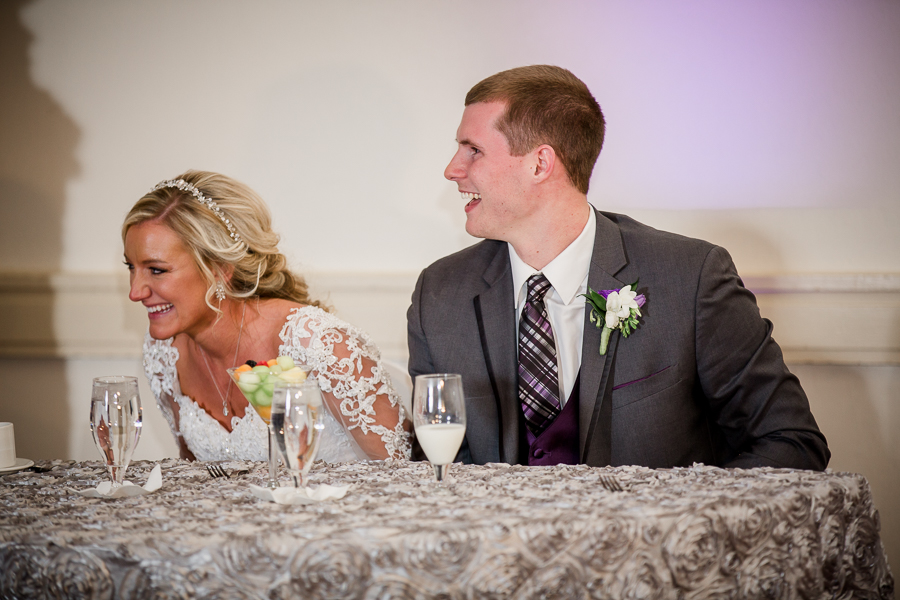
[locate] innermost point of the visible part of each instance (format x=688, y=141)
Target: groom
x=700, y=379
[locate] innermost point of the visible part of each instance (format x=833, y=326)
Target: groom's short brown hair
x=547, y=105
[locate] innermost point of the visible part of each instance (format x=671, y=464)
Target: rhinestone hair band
x=184, y=186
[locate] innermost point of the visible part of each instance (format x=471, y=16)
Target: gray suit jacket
x=700, y=380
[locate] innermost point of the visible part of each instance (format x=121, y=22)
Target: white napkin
x=127, y=489
x=304, y=495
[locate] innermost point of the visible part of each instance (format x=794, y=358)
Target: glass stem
x=116, y=475
x=440, y=471
x=273, y=461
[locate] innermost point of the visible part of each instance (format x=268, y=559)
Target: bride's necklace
x=227, y=395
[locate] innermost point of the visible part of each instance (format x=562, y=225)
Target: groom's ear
x=545, y=162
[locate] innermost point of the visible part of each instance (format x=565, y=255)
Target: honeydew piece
x=261, y=398
x=248, y=381
x=275, y=369
x=285, y=362
x=249, y=377
x=247, y=388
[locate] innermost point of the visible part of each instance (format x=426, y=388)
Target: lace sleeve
x=160, y=357
x=348, y=368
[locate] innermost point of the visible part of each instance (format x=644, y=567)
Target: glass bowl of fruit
x=256, y=380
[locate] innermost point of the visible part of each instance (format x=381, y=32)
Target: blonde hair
x=257, y=267
x=547, y=105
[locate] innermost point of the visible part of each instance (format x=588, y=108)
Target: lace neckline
x=310, y=336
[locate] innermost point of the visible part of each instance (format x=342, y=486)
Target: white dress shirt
x=568, y=274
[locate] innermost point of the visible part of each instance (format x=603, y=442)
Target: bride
x=204, y=262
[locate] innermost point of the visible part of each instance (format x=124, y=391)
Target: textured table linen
x=490, y=531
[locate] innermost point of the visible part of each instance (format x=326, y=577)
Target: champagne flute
x=439, y=418
x=116, y=422
x=298, y=418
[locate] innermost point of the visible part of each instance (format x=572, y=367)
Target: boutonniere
x=615, y=309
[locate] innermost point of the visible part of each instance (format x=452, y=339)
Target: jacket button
x=539, y=453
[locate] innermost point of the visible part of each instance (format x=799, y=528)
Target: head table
x=490, y=531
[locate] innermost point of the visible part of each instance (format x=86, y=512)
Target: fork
x=217, y=471
x=611, y=483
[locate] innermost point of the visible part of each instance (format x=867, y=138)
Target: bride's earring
x=220, y=291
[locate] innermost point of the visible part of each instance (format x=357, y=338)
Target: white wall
x=767, y=126
x=780, y=117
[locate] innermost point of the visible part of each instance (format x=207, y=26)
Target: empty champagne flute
x=439, y=418
x=116, y=422
x=298, y=418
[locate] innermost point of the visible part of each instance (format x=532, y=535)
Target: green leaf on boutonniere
x=597, y=300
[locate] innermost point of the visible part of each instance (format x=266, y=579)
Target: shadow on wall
x=37, y=158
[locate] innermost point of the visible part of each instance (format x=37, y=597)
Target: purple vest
x=558, y=444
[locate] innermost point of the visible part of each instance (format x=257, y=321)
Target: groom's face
x=491, y=180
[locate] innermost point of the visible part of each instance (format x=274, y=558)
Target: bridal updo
x=226, y=226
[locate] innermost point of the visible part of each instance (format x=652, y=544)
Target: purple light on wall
x=739, y=104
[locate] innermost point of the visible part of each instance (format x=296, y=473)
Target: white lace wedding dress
x=309, y=336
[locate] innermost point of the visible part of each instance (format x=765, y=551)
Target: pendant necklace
x=227, y=395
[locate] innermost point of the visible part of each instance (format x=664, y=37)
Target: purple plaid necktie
x=538, y=377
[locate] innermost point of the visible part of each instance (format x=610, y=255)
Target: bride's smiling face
x=166, y=280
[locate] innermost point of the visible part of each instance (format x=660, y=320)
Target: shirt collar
x=567, y=273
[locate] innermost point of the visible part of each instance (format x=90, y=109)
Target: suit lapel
x=495, y=310
x=594, y=418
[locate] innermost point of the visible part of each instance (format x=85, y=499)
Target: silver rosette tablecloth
x=491, y=531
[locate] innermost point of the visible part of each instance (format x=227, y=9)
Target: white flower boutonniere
x=615, y=309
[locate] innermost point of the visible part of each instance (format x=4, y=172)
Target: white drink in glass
x=441, y=442
x=116, y=422
x=439, y=418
